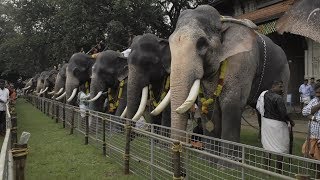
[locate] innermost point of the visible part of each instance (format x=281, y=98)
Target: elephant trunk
x=72, y=83
x=59, y=86
x=185, y=70
x=134, y=91
x=97, y=86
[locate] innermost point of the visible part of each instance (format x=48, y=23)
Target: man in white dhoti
x=274, y=120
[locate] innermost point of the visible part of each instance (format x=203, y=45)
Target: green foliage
x=37, y=34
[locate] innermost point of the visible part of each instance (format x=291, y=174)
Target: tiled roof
x=267, y=12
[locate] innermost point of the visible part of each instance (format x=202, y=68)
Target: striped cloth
x=315, y=125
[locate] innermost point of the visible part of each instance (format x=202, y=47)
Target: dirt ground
x=250, y=120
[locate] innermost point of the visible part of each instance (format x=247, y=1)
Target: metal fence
x=6, y=159
x=151, y=153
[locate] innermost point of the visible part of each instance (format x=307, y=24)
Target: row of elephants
x=221, y=63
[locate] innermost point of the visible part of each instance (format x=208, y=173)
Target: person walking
x=4, y=97
x=305, y=93
x=312, y=84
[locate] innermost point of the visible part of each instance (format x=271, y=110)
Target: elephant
x=40, y=82
x=49, y=81
x=31, y=84
x=109, y=73
x=149, y=71
x=78, y=73
x=231, y=63
x=59, y=85
x=303, y=19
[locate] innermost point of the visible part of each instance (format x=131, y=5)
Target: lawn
x=53, y=154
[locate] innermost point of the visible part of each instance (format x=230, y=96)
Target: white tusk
x=45, y=90
x=40, y=91
x=52, y=92
x=26, y=88
x=143, y=103
x=163, y=104
x=194, y=91
x=59, y=92
x=72, y=95
x=124, y=113
x=96, y=97
x=62, y=96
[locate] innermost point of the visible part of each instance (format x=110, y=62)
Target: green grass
x=53, y=154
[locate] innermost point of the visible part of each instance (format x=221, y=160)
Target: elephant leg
x=231, y=125
x=259, y=122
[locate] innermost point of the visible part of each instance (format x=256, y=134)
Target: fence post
x=126, y=155
x=57, y=113
x=19, y=154
x=52, y=111
x=243, y=161
x=176, y=151
x=72, y=121
x=48, y=107
x=104, y=148
x=151, y=152
x=86, y=137
x=14, y=126
x=64, y=116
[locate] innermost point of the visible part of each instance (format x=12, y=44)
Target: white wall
x=312, y=60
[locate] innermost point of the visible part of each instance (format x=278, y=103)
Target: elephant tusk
x=96, y=97
x=142, y=105
x=45, y=90
x=40, y=91
x=26, y=88
x=62, y=96
x=52, y=92
x=124, y=113
x=191, y=98
x=163, y=104
x=72, y=95
x=59, y=92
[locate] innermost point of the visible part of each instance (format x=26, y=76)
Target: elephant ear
x=122, y=68
x=165, y=54
x=235, y=39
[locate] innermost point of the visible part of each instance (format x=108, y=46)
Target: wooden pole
x=57, y=113
x=72, y=121
x=14, y=125
x=52, y=111
x=64, y=116
x=19, y=154
x=86, y=137
x=176, y=159
x=126, y=155
x=104, y=148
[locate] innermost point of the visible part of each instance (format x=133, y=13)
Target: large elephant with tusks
x=202, y=42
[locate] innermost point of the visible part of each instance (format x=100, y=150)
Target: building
x=303, y=54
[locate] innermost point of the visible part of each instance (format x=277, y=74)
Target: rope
x=126, y=157
x=176, y=148
x=19, y=152
x=113, y=105
x=177, y=178
x=249, y=123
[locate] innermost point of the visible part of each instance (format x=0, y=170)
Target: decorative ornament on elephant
x=59, y=85
x=40, y=83
x=109, y=80
x=229, y=60
x=31, y=84
x=78, y=73
x=49, y=81
x=149, y=73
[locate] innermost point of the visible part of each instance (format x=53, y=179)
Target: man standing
x=275, y=122
x=4, y=96
x=312, y=84
x=311, y=147
x=305, y=93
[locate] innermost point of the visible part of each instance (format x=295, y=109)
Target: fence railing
x=151, y=153
x=6, y=160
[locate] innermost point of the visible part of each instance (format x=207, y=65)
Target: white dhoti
x=274, y=135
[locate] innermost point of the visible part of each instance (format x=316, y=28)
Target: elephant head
x=108, y=71
x=78, y=73
x=59, y=85
x=49, y=81
x=40, y=82
x=303, y=19
x=201, y=46
x=149, y=64
x=31, y=84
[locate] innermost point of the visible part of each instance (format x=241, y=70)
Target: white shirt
x=305, y=90
x=4, y=96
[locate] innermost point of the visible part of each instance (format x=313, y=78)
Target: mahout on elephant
x=230, y=61
x=149, y=73
x=109, y=80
